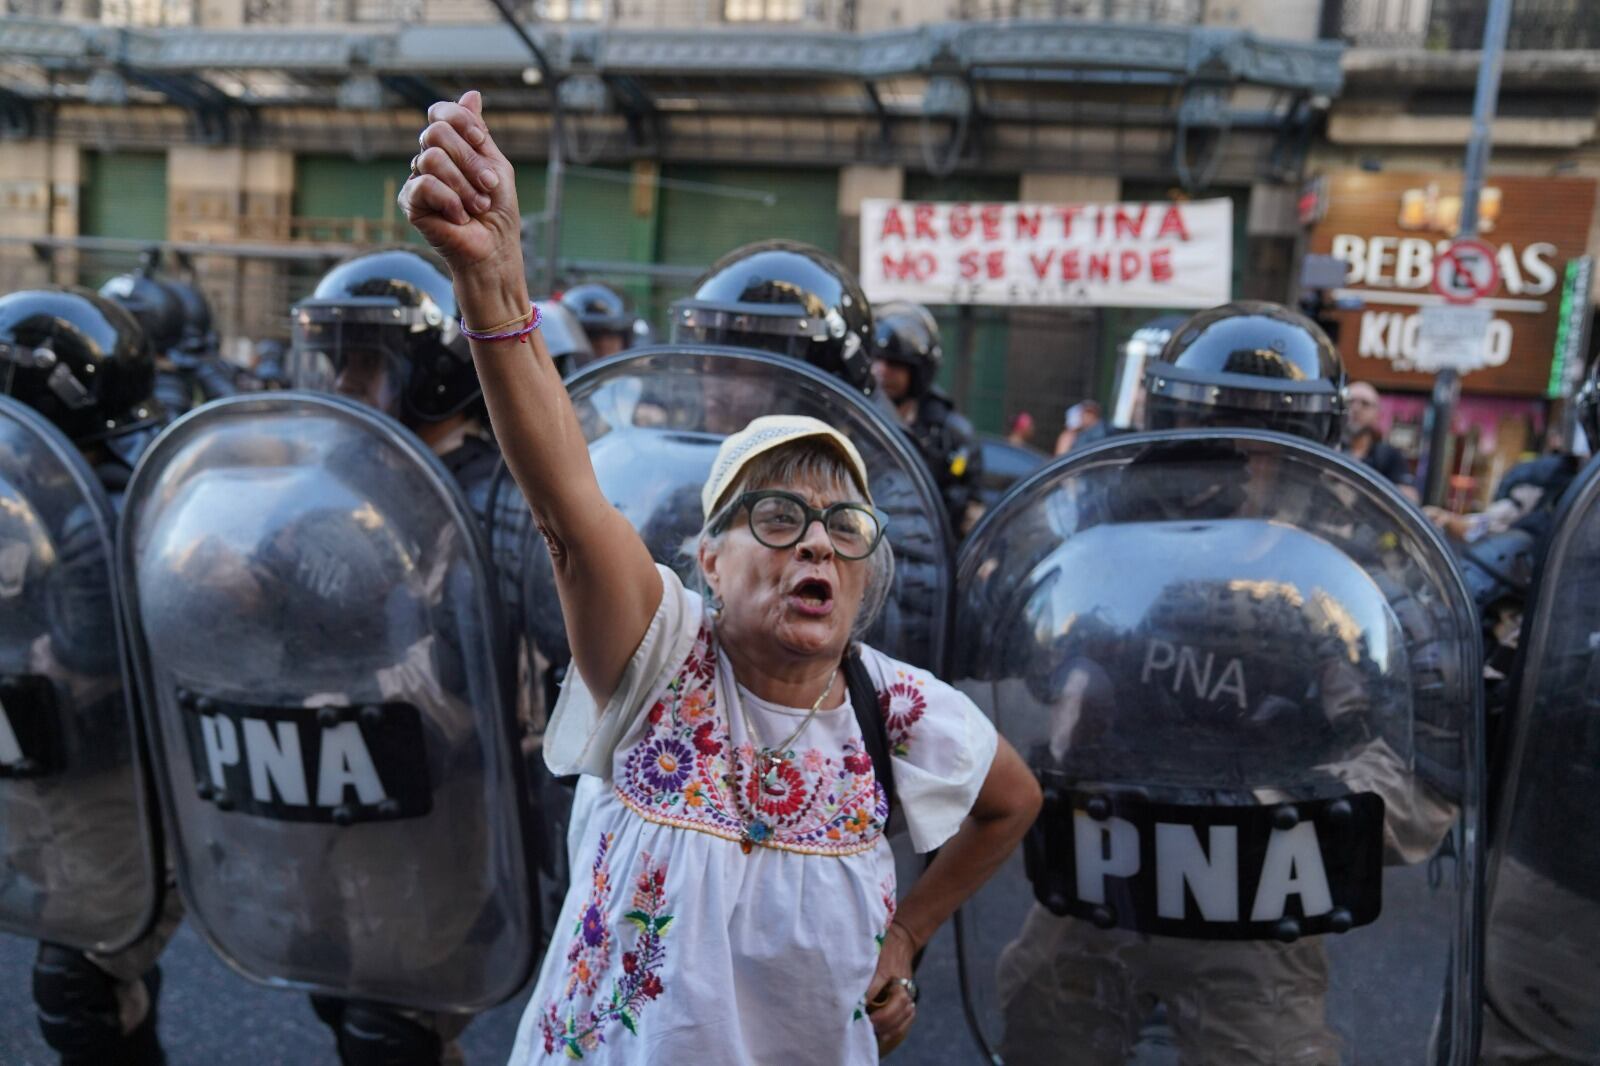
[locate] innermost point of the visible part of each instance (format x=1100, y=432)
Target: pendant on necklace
x=755, y=832
x=767, y=766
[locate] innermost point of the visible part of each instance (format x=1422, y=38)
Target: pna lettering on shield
x=1194, y=667
x=276, y=762
x=1291, y=866
x=335, y=764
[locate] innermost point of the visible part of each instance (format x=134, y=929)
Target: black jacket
x=948, y=444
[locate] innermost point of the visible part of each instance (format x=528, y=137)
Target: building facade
x=1386, y=174
x=263, y=138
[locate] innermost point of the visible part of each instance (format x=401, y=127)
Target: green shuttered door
x=124, y=195
x=597, y=217
x=709, y=211
x=330, y=190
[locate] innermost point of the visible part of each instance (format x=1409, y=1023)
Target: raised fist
x=462, y=194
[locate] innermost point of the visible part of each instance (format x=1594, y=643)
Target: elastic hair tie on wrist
x=519, y=334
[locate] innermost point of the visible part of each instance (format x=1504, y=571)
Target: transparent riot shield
x=1542, y=978
x=654, y=418
x=79, y=844
x=1245, y=673
x=313, y=609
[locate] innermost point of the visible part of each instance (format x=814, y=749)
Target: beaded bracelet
x=520, y=334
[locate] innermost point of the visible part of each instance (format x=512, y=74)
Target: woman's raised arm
x=463, y=200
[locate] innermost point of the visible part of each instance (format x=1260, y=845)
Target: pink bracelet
x=520, y=334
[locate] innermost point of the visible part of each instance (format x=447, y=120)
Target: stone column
x=858, y=183
x=233, y=195
x=39, y=186
x=1069, y=189
x=1272, y=230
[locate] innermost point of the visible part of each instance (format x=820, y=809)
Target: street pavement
x=210, y=1016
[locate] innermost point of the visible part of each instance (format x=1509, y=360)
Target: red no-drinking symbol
x=1466, y=271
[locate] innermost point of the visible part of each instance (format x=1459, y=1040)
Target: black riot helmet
x=906, y=333
x=381, y=328
x=1248, y=364
x=154, y=303
x=81, y=361
x=783, y=297
x=199, y=338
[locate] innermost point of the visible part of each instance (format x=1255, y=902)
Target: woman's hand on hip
x=462, y=196
x=892, y=1020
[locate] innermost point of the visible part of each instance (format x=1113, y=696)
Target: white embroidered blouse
x=681, y=942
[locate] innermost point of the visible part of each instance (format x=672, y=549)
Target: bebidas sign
x=1393, y=231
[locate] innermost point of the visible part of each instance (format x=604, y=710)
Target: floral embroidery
x=591, y=940
x=889, y=905
x=686, y=772
x=902, y=706
x=667, y=763
x=886, y=889
x=705, y=739
x=640, y=982
x=696, y=705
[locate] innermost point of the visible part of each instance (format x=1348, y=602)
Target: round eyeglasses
x=779, y=519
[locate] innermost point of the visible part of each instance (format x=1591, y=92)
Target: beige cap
x=764, y=434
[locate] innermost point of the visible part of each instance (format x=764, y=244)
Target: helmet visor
x=1181, y=397
x=722, y=337
x=365, y=361
x=783, y=329
x=1175, y=412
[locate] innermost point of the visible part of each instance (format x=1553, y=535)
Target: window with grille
x=763, y=10
x=570, y=10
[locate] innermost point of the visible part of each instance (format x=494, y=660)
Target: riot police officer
x=381, y=328
x=176, y=318
x=99, y=387
x=1250, y=364
x=787, y=298
x=197, y=355
x=604, y=315
x=906, y=359
x=1199, y=624
x=160, y=317
x=84, y=363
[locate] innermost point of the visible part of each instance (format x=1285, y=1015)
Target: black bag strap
x=874, y=730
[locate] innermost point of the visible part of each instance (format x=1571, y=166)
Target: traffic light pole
x=1447, y=385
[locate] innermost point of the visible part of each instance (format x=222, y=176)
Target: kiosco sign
x=1393, y=232
x=1077, y=255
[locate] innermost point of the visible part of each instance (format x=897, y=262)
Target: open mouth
x=813, y=594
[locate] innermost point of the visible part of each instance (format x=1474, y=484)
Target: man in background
x=1363, y=438
x=1082, y=426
